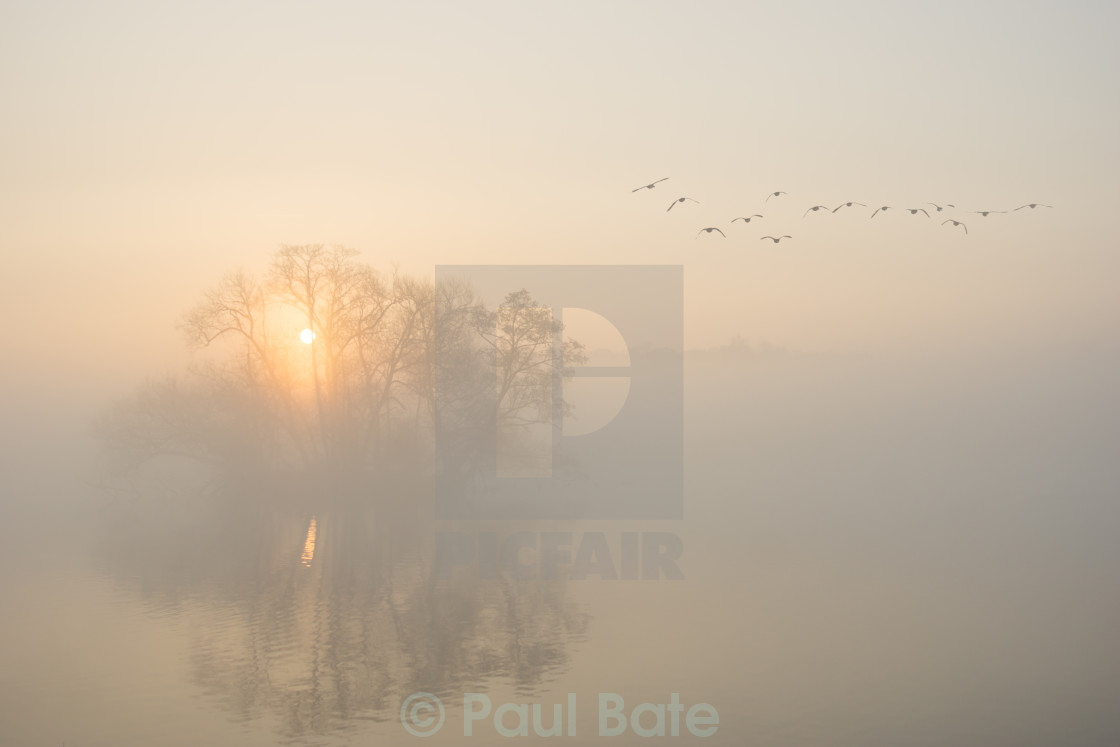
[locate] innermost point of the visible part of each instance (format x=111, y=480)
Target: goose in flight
x=885, y=207
x=814, y=209
x=915, y=211
x=776, y=240
x=649, y=186
x=679, y=199
x=986, y=213
x=955, y=223
x=747, y=219
x=848, y=204
x=1032, y=206
x=709, y=230
x=773, y=194
x=940, y=207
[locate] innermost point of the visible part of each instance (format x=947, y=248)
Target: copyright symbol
x=418, y=714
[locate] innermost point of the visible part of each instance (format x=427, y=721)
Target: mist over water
x=877, y=549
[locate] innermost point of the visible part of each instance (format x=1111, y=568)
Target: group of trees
x=395, y=361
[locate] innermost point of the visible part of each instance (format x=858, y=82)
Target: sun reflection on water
x=309, y=544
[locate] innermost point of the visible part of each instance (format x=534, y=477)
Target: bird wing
x=924, y=211
x=767, y=237
x=671, y=204
x=721, y=233
x=876, y=212
x=648, y=186
x=1020, y=208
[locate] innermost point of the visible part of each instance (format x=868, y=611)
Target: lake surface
x=874, y=552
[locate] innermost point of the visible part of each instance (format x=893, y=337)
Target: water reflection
x=309, y=544
x=323, y=621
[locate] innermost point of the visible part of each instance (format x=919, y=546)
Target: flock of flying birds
x=815, y=208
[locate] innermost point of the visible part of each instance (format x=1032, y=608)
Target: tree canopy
x=393, y=362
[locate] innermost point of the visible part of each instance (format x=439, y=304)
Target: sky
x=149, y=148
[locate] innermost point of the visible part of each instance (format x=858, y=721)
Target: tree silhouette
x=395, y=362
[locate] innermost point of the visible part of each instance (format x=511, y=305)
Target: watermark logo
x=560, y=395
x=524, y=555
x=671, y=718
x=422, y=714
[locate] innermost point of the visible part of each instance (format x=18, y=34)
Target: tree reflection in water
x=326, y=616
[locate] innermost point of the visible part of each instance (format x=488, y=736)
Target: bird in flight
x=776, y=240
x=679, y=199
x=955, y=223
x=710, y=229
x=915, y=211
x=940, y=207
x=848, y=204
x=649, y=186
x=747, y=219
x=773, y=194
x=814, y=209
x=885, y=207
x=1033, y=205
x=986, y=213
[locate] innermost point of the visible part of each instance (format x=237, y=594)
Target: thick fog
x=369, y=373
x=876, y=548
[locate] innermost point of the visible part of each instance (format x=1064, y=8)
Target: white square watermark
x=559, y=392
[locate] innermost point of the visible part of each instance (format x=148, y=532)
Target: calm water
x=873, y=555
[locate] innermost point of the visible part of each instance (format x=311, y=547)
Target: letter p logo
x=558, y=392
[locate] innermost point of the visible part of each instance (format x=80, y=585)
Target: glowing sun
x=306, y=336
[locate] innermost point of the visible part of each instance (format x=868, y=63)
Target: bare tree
x=529, y=357
x=394, y=364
